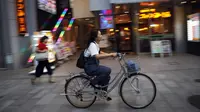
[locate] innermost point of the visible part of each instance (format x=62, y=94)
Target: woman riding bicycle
x=92, y=55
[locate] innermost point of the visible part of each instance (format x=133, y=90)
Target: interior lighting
x=154, y=25
x=193, y=1
x=111, y=30
x=117, y=7
x=183, y=2
x=126, y=29
x=143, y=29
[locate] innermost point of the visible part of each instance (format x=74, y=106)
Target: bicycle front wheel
x=138, y=91
x=79, y=92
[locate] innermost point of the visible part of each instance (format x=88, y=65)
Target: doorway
x=124, y=37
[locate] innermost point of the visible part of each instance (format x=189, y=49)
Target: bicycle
x=87, y=93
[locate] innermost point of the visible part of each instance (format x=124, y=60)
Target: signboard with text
x=21, y=17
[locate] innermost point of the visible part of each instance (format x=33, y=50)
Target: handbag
x=41, y=56
x=81, y=61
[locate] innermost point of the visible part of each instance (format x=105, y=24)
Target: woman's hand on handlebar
x=113, y=54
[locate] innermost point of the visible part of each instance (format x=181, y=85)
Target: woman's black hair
x=93, y=36
x=43, y=39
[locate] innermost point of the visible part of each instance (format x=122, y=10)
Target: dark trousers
x=102, y=76
x=40, y=68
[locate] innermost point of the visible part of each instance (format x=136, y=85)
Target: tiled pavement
x=174, y=78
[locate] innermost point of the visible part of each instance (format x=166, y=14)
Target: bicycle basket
x=132, y=66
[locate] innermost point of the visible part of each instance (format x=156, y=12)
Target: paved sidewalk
x=174, y=78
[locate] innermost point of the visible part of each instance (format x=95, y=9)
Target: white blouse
x=92, y=50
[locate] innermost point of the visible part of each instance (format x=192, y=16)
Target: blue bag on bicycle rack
x=132, y=66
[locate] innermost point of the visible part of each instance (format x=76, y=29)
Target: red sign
x=21, y=17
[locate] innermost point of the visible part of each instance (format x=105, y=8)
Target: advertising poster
x=106, y=22
x=193, y=25
x=156, y=47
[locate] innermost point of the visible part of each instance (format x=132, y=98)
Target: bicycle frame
x=123, y=75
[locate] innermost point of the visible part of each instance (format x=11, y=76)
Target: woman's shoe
x=108, y=98
x=51, y=80
x=33, y=81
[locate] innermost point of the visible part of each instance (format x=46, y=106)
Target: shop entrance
x=124, y=37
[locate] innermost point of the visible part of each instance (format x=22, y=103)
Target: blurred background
x=126, y=26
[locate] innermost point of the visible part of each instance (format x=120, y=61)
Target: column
x=9, y=32
x=180, y=29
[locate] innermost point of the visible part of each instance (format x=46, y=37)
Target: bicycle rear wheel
x=79, y=92
x=138, y=91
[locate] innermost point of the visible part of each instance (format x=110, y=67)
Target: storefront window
x=120, y=9
x=123, y=18
x=143, y=27
x=156, y=26
x=155, y=19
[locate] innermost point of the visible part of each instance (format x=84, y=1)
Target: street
x=174, y=77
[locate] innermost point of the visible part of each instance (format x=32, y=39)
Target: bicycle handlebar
x=120, y=55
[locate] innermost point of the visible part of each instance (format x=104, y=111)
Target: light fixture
x=117, y=7
x=142, y=29
x=126, y=12
x=111, y=30
x=193, y=1
x=87, y=19
x=183, y=2
x=126, y=28
x=154, y=25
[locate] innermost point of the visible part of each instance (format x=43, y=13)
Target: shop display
x=193, y=24
x=47, y=5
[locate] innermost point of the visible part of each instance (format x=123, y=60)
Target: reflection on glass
x=143, y=27
x=119, y=9
x=123, y=18
x=156, y=26
x=124, y=38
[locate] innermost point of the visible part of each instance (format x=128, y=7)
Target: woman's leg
x=103, y=76
x=39, y=68
x=47, y=64
x=50, y=71
x=38, y=71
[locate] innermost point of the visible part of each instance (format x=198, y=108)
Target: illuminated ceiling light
x=117, y=7
x=154, y=25
x=87, y=19
x=126, y=12
x=193, y=1
x=142, y=29
x=183, y=2
x=116, y=30
x=126, y=28
x=111, y=30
